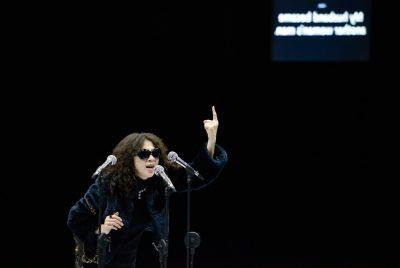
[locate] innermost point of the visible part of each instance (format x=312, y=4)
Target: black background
x=312, y=146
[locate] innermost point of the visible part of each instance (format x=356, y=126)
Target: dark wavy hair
x=123, y=177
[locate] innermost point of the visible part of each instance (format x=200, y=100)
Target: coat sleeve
x=208, y=167
x=83, y=218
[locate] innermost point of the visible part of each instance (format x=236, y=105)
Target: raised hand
x=211, y=127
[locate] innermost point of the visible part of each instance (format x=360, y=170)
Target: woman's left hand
x=211, y=127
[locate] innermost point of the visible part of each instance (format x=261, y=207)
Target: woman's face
x=145, y=162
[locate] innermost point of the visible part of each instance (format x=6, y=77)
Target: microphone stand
x=162, y=246
x=192, y=239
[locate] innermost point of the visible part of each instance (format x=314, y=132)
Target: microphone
x=173, y=157
x=159, y=171
x=111, y=159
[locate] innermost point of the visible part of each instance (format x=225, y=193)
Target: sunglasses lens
x=145, y=154
x=156, y=153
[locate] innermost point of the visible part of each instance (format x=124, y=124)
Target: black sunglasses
x=145, y=154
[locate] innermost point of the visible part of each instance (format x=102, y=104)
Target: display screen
x=307, y=30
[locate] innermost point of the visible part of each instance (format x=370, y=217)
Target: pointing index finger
x=215, y=117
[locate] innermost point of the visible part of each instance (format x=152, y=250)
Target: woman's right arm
x=83, y=218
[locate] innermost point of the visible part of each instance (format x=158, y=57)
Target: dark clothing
x=127, y=252
x=142, y=210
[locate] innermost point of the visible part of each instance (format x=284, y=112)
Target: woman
x=133, y=196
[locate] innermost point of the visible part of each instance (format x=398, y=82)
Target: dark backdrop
x=311, y=175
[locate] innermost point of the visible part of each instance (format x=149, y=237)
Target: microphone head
x=112, y=159
x=172, y=156
x=158, y=169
